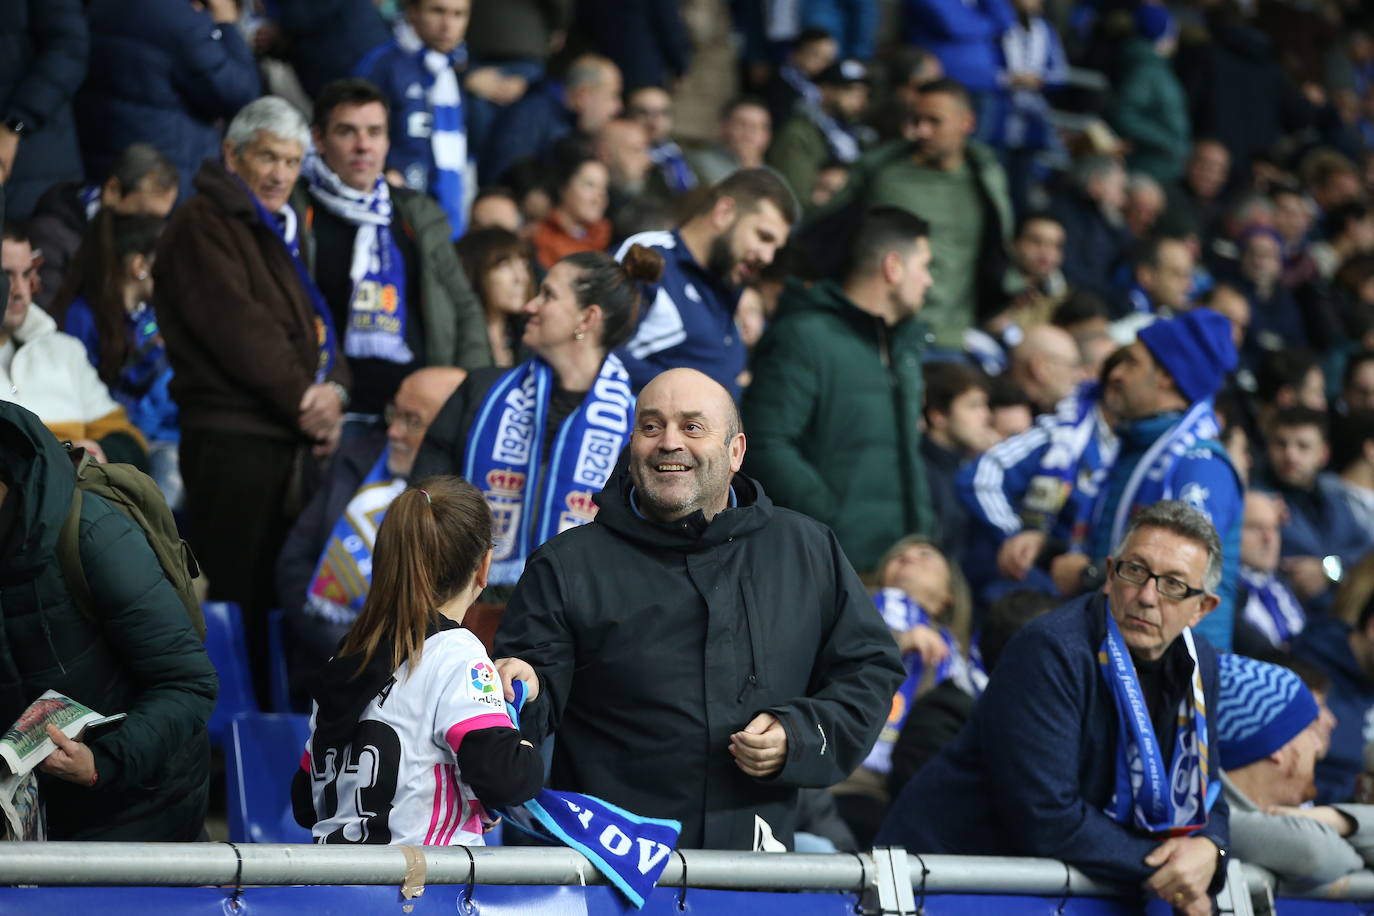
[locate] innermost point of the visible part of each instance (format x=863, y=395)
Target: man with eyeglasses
x=325, y=567
x=1095, y=740
x=1169, y=448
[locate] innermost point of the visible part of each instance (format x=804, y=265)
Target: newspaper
x=26, y=744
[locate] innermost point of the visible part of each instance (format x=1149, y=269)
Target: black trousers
x=242, y=494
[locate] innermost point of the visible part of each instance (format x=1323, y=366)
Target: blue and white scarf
x=810, y=93
x=286, y=228
x=842, y=144
x=667, y=156
x=1271, y=607
x=628, y=849
x=1150, y=480
x=344, y=574
x=1150, y=797
x=90, y=200
x=377, y=303
x=1076, y=422
x=532, y=498
x=900, y=613
x=448, y=137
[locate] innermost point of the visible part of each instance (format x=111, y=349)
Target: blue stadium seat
x=229, y=653
x=261, y=755
x=276, y=645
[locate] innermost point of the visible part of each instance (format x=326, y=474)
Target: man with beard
x=700, y=653
x=956, y=184
x=690, y=319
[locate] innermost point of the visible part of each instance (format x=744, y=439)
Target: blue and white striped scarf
x=448, y=137
x=670, y=161
x=377, y=304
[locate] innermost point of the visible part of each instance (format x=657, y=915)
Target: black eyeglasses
x=1167, y=586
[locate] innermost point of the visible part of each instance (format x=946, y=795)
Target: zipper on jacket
x=752, y=681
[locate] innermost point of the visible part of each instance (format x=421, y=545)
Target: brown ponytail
x=429, y=547
x=615, y=287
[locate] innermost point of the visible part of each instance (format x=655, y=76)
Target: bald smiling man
x=701, y=654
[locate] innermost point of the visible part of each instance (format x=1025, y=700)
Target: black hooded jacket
x=654, y=642
x=139, y=655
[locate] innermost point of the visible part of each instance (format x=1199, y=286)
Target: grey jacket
x=1298, y=849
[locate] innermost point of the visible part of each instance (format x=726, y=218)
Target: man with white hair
x=259, y=376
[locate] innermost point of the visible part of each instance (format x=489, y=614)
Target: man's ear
x=109, y=192
x=1208, y=604
x=892, y=267
x=737, y=453
x=723, y=213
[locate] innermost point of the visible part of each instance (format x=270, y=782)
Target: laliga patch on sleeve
x=484, y=684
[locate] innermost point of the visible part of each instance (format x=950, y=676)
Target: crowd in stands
x=761, y=333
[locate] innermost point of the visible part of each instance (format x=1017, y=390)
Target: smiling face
x=682, y=451
x=1149, y=621
x=269, y=166
x=749, y=242
x=583, y=199
x=554, y=313
x=354, y=144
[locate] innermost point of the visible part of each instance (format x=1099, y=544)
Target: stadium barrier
x=253, y=879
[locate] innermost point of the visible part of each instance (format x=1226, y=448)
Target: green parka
x=137, y=655
x=832, y=420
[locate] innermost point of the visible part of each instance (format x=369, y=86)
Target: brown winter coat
x=239, y=326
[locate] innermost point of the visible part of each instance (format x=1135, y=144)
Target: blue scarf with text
x=1150, y=797
x=344, y=573
x=1075, y=424
x=533, y=497
x=448, y=137
x=628, y=849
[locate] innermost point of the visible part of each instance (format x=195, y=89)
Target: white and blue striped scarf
x=448, y=137
x=377, y=305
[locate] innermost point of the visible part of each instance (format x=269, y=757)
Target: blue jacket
x=401, y=77
x=43, y=49
x=1205, y=479
x=1099, y=251
x=993, y=486
x=1320, y=523
x=527, y=130
x=142, y=383
x=854, y=24
x=647, y=39
x=1325, y=642
x=964, y=36
x=162, y=73
x=1034, y=769
x=328, y=37
x=687, y=319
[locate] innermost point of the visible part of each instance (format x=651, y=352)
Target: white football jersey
x=397, y=781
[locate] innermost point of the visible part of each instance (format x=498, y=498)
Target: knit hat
x=1196, y=348
x=1260, y=708
x=1154, y=21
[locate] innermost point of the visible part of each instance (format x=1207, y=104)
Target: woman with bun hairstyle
x=409, y=735
x=540, y=439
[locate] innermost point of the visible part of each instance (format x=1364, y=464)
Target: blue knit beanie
x=1196, y=348
x=1260, y=708
x=1153, y=21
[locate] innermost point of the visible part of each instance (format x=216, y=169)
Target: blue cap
x=1153, y=21
x=1260, y=708
x=1196, y=349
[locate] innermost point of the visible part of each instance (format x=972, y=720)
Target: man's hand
x=1185, y=867
x=222, y=12
x=1308, y=576
x=924, y=640
x=495, y=86
x=1017, y=554
x=9, y=148
x=325, y=447
x=1322, y=814
x=321, y=410
x=514, y=669
x=71, y=761
x=1067, y=572
x=761, y=748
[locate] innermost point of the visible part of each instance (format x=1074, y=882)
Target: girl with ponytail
x=410, y=740
x=541, y=439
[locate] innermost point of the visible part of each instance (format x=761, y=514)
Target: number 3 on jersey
x=369, y=783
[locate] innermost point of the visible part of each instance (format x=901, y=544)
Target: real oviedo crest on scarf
x=534, y=496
